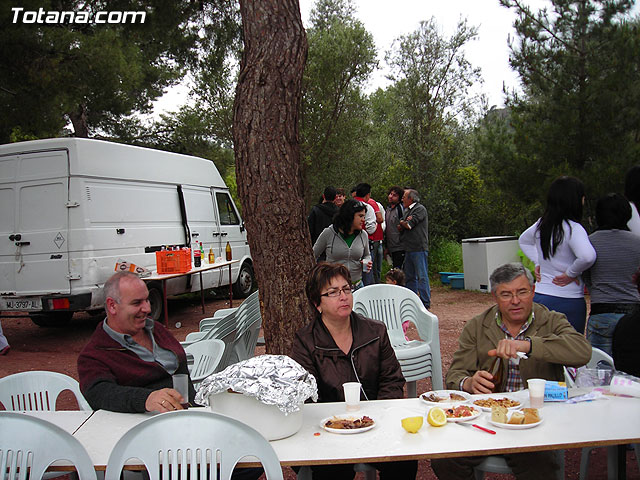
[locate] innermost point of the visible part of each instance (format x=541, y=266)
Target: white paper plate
x=476, y=414
x=445, y=395
x=346, y=431
x=510, y=426
x=497, y=396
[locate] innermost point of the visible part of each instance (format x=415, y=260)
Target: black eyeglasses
x=335, y=292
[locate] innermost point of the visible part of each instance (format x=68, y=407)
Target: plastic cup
x=536, y=392
x=181, y=384
x=365, y=266
x=352, y=395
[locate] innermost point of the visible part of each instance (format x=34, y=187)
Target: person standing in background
x=559, y=247
x=373, y=225
x=414, y=234
x=393, y=215
x=340, y=196
x=610, y=279
x=322, y=214
x=4, y=343
x=632, y=192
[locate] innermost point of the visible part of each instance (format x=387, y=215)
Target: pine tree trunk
x=267, y=152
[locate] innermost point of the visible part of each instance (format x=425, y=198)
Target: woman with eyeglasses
x=346, y=241
x=560, y=248
x=341, y=346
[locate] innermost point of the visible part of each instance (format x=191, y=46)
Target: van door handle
x=15, y=238
x=195, y=234
x=216, y=234
x=224, y=234
x=22, y=244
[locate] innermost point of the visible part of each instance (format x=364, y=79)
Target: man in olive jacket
x=514, y=325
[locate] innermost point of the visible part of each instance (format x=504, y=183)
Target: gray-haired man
x=514, y=324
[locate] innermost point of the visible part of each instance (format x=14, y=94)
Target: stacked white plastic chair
x=200, y=443
x=206, y=358
x=393, y=305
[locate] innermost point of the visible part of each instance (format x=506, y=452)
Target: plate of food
x=347, y=424
x=461, y=413
x=440, y=398
x=510, y=402
x=515, y=420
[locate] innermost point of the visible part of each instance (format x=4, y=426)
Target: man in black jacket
x=321, y=215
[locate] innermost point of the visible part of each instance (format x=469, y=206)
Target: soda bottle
x=202, y=253
x=197, y=261
x=496, y=371
x=227, y=249
x=212, y=257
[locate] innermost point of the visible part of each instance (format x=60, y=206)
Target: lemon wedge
x=436, y=417
x=412, y=424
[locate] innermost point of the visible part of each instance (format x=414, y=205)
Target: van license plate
x=21, y=304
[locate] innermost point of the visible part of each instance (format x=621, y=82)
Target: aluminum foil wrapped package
x=272, y=379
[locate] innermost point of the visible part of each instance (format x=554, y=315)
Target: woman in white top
x=632, y=192
x=560, y=248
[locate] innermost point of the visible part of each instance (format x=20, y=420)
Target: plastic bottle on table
x=228, y=251
x=212, y=257
x=197, y=261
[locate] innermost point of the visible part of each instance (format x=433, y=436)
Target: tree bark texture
x=267, y=152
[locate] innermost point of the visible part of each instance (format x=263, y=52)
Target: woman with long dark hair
x=560, y=248
x=346, y=241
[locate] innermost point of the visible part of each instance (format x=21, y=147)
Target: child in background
x=395, y=276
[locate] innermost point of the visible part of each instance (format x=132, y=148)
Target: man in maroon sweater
x=129, y=360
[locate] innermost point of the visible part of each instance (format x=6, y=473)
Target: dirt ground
x=36, y=348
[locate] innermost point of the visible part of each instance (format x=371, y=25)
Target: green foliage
x=334, y=115
x=445, y=256
x=579, y=64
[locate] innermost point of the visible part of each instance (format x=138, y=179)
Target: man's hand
x=564, y=280
x=508, y=348
x=479, y=383
x=165, y=400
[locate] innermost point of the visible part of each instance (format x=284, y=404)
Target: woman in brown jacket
x=341, y=346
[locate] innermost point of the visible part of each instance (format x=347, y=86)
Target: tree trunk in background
x=79, y=121
x=267, y=151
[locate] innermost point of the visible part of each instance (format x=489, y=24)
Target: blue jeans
x=600, y=330
x=416, y=268
x=373, y=276
x=575, y=309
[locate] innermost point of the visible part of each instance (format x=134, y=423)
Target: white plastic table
x=613, y=421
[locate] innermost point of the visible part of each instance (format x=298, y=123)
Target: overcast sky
x=389, y=20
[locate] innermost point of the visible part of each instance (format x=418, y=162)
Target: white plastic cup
x=365, y=266
x=536, y=392
x=352, y=396
x=181, y=384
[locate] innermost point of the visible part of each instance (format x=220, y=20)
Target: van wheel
x=245, y=283
x=51, y=319
x=155, y=302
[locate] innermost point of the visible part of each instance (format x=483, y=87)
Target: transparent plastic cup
x=352, y=396
x=181, y=384
x=536, y=392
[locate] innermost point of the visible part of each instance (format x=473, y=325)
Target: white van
x=70, y=208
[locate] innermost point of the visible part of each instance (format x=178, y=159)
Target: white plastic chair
x=196, y=439
x=598, y=355
x=249, y=321
x=393, y=305
x=38, y=390
x=29, y=445
x=206, y=357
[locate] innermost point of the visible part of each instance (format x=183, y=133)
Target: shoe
x=5, y=350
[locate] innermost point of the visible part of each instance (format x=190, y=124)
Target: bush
x=445, y=256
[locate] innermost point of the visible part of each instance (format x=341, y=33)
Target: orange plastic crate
x=173, y=261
